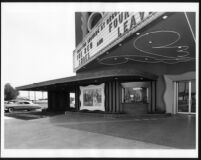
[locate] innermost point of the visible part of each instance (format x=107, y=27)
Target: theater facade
x=129, y=62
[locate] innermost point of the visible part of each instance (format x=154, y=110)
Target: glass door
x=186, y=97
x=193, y=97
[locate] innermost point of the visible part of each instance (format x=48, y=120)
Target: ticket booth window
x=135, y=95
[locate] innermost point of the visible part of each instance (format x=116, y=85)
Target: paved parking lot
x=84, y=131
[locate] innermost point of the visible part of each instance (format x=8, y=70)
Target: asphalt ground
x=93, y=131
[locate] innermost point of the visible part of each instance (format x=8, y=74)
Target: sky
x=38, y=42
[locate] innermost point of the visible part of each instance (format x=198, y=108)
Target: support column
x=77, y=98
x=113, y=97
x=153, y=96
x=110, y=96
x=117, y=97
x=58, y=101
x=106, y=97
x=49, y=97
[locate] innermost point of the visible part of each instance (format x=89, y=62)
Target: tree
x=10, y=92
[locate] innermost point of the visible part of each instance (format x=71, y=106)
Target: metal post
x=35, y=96
x=29, y=95
x=189, y=98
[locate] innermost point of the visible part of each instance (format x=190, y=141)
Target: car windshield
x=26, y=102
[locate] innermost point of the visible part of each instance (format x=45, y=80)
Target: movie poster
x=92, y=97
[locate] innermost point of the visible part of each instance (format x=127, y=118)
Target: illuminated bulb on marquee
x=150, y=42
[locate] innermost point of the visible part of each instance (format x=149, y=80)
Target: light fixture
x=137, y=33
x=165, y=17
x=179, y=47
x=137, y=88
x=150, y=42
x=115, y=58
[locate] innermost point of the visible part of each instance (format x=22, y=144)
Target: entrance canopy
x=89, y=78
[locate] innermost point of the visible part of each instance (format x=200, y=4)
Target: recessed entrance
x=136, y=97
x=186, y=97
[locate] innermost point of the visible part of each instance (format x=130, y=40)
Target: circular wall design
x=157, y=46
x=161, y=43
x=94, y=19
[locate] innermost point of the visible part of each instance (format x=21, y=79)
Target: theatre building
x=129, y=62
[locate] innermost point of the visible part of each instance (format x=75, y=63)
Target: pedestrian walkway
x=84, y=131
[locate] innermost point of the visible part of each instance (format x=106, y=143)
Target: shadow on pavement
x=30, y=115
x=174, y=131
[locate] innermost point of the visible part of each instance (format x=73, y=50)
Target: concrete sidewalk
x=93, y=132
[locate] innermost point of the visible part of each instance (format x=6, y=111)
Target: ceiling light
x=137, y=88
x=138, y=33
x=165, y=17
x=150, y=42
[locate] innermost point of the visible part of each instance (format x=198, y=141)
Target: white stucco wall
x=169, y=95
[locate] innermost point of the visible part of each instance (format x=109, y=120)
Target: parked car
x=10, y=106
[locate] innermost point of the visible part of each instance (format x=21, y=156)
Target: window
x=20, y=102
x=135, y=95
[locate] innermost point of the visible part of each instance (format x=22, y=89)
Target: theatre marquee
x=113, y=28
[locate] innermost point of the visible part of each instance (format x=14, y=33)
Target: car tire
x=10, y=110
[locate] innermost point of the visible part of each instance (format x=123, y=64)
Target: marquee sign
x=113, y=28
